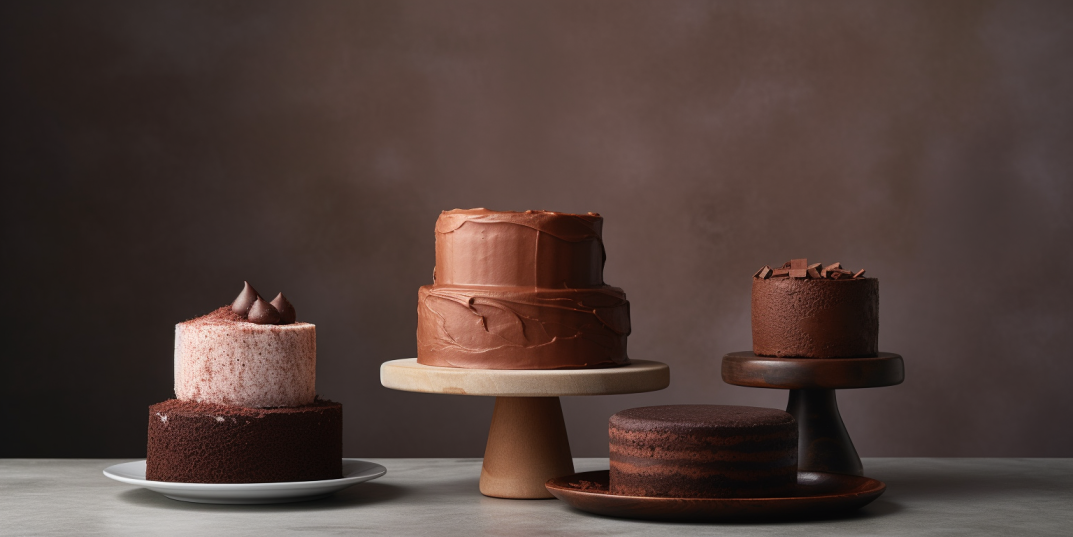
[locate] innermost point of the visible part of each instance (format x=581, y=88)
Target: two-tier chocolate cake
x=246, y=409
x=520, y=290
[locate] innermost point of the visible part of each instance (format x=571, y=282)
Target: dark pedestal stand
x=823, y=443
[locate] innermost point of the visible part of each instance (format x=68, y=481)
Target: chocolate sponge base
x=209, y=443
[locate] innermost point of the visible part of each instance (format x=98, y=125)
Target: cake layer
x=815, y=318
x=521, y=328
x=519, y=249
x=703, y=451
x=209, y=443
x=220, y=358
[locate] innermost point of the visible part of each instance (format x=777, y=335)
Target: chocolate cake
x=703, y=451
x=208, y=443
x=246, y=409
x=814, y=311
x=520, y=290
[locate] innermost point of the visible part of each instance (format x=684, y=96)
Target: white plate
x=354, y=471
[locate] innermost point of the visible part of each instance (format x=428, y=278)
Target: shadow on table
x=364, y=494
x=927, y=483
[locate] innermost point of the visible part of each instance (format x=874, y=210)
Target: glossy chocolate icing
x=249, y=306
x=286, y=311
x=245, y=300
x=263, y=313
x=520, y=290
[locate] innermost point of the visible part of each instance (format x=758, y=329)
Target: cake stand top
x=748, y=369
x=638, y=376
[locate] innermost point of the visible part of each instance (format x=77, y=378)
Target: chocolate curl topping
x=245, y=300
x=285, y=309
x=263, y=313
x=801, y=269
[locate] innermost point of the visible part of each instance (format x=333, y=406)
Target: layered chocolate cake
x=814, y=311
x=208, y=443
x=246, y=409
x=520, y=290
x=703, y=451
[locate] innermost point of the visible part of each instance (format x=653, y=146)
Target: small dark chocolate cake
x=193, y=442
x=814, y=312
x=703, y=451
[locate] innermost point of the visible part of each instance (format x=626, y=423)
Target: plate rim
x=875, y=489
x=373, y=471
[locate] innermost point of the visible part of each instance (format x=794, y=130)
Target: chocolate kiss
x=285, y=309
x=263, y=313
x=245, y=300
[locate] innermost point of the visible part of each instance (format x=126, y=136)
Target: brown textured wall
x=154, y=155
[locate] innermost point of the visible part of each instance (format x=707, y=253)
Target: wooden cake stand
x=527, y=442
x=823, y=443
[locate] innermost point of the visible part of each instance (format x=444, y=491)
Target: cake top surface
x=566, y=226
x=699, y=417
x=801, y=269
x=225, y=316
x=178, y=406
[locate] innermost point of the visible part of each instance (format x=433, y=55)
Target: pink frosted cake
x=246, y=407
x=220, y=358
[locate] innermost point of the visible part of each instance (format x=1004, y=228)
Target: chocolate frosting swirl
x=286, y=311
x=263, y=313
x=251, y=307
x=245, y=300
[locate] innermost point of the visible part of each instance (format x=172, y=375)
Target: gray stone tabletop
x=440, y=497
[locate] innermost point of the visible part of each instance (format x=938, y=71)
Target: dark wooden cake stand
x=823, y=443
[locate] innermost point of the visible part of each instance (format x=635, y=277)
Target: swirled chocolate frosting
x=520, y=290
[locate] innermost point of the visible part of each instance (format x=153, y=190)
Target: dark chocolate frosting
x=245, y=300
x=520, y=290
x=249, y=306
x=263, y=313
x=287, y=315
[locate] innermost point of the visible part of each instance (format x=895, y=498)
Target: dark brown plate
x=818, y=495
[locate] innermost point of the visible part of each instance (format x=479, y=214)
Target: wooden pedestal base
x=824, y=444
x=527, y=442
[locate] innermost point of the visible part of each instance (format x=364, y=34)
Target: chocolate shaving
x=800, y=268
x=287, y=315
x=245, y=300
x=263, y=313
